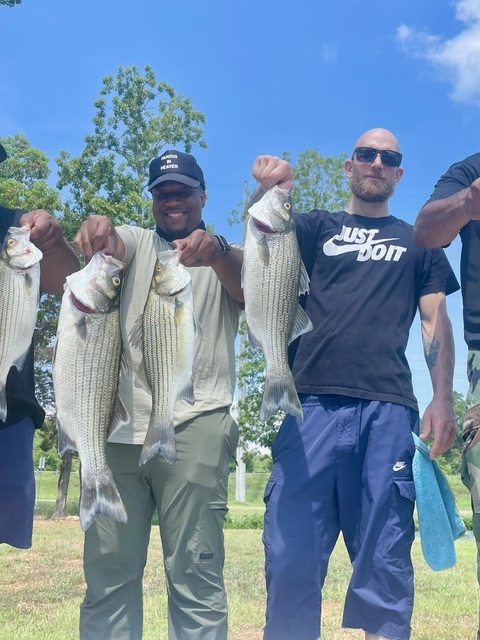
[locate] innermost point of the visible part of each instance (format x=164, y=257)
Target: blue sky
x=269, y=77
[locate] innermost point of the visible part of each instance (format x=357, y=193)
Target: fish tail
x=160, y=439
x=100, y=495
x=280, y=395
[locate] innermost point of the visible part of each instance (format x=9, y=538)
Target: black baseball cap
x=3, y=153
x=175, y=166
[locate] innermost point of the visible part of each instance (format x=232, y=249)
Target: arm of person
x=97, y=233
x=203, y=249
x=439, y=351
x=59, y=259
x=440, y=221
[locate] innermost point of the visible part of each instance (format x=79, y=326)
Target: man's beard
x=371, y=190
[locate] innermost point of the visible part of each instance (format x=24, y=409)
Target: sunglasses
x=368, y=154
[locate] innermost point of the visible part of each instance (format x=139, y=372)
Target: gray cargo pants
x=191, y=499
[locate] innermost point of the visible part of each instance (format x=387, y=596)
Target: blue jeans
x=347, y=467
x=17, y=484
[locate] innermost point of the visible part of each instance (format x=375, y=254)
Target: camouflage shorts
x=471, y=431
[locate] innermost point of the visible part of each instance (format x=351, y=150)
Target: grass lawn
x=41, y=588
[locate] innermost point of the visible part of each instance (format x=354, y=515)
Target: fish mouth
x=79, y=305
x=262, y=227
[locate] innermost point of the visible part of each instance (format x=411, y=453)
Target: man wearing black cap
x=17, y=483
x=190, y=496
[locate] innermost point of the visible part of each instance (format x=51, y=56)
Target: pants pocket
x=400, y=530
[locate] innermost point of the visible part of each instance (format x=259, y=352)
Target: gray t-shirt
x=218, y=315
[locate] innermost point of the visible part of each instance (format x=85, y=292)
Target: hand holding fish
x=97, y=233
x=271, y=170
x=199, y=249
x=45, y=231
x=59, y=259
x=203, y=249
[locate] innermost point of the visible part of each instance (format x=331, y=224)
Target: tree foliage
x=23, y=177
x=10, y=3
x=135, y=118
x=320, y=182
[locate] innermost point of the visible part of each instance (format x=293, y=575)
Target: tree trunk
x=63, y=482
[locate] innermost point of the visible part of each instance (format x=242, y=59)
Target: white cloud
x=457, y=60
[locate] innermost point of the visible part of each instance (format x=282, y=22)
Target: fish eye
x=287, y=206
x=116, y=281
x=10, y=242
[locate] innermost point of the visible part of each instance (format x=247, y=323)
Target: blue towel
x=438, y=519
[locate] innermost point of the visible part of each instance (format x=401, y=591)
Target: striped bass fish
x=20, y=294
x=166, y=335
x=86, y=370
x=273, y=277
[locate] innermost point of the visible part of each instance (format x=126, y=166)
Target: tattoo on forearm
x=431, y=348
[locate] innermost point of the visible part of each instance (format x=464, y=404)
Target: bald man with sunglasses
x=347, y=466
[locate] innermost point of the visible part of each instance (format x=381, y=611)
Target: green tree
x=320, y=183
x=10, y=3
x=136, y=116
x=23, y=177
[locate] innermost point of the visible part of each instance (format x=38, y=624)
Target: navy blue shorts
x=17, y=484
x=346, y=468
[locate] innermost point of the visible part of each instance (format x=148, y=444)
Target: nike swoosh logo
x=398, y=466
x=332, y=249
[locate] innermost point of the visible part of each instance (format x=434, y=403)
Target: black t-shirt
x=458, y=177
x=367, y=277
x=21, y=401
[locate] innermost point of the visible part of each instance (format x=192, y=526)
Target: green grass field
x=41, y=588
x=255, y=484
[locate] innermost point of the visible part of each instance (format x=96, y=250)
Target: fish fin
x=197, y=327
x=141, y=378
x=81, y=328
x=253, y=340
x=301, y=324
x=124, y=364
x=304, y=281
x=187, y=393
x=65, y=441
x=19, y=362
x=135, y=336
x=280, y=396
x=100, y=495
x=3, y=403
x=264, y=251
x=120, y=417
x=160, y=438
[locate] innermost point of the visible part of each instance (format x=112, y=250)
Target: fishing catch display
x=20, y=294
x=86, y=371
x=273, y=278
